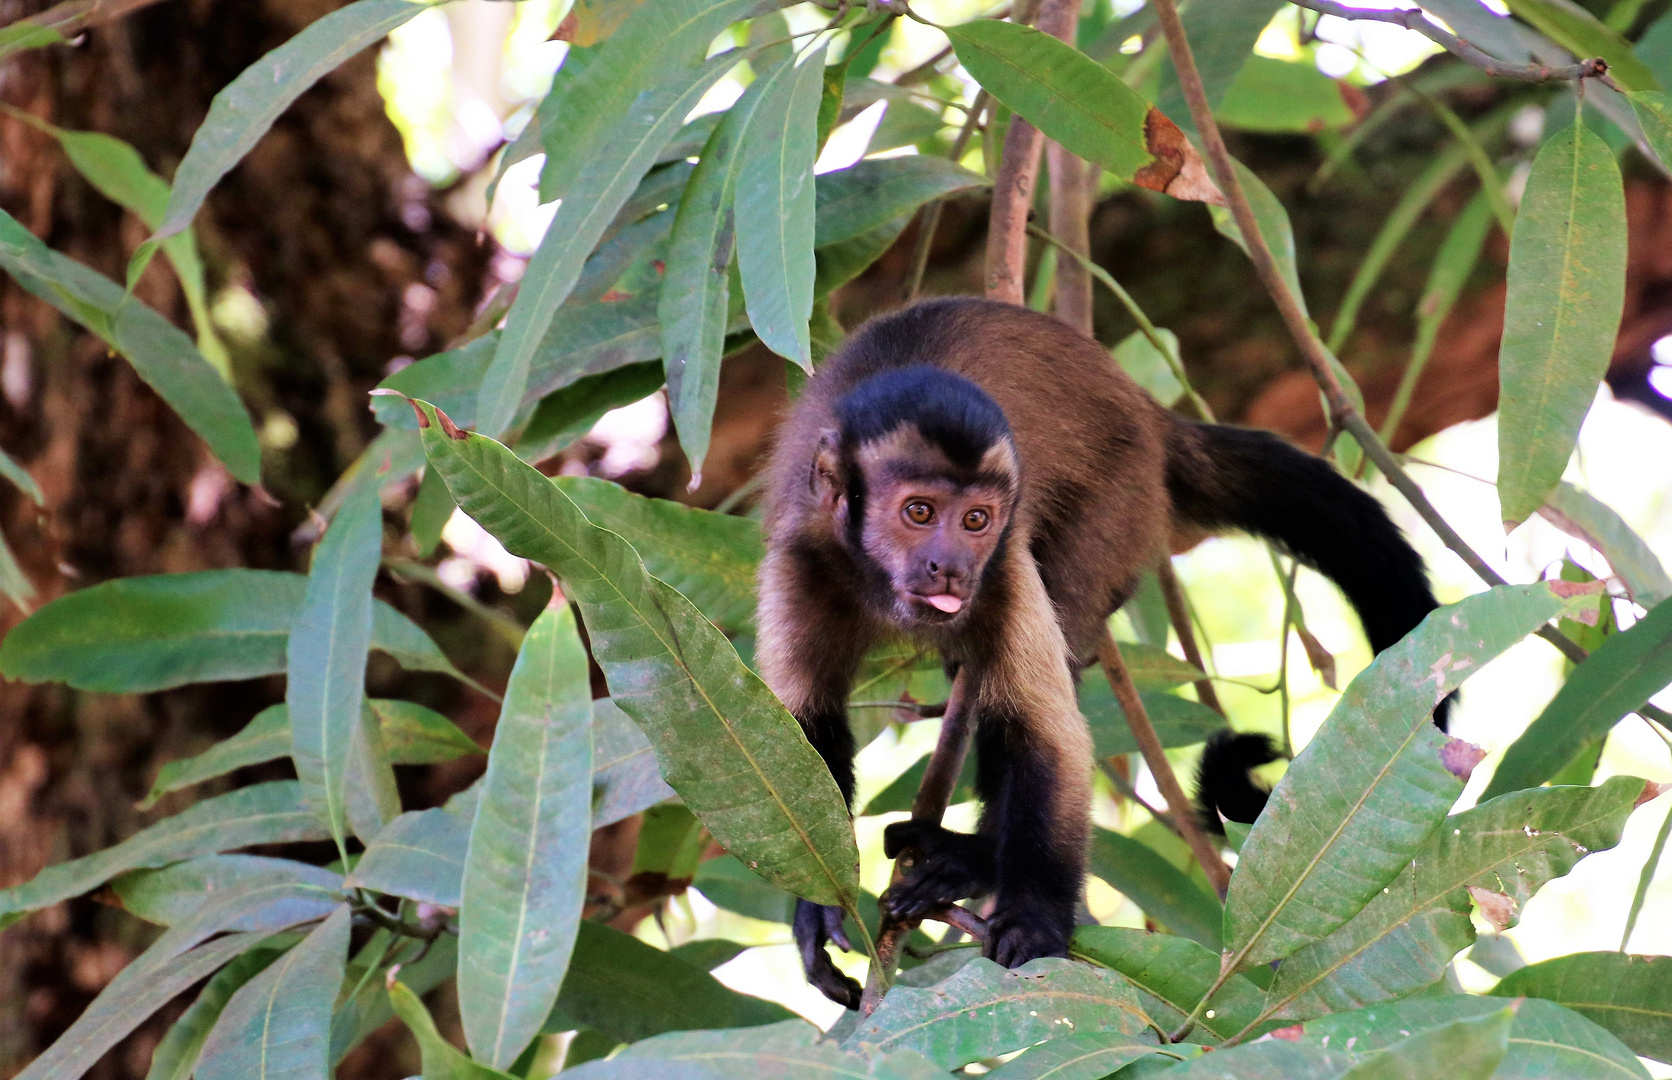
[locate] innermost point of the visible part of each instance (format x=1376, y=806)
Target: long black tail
x=1224, y=478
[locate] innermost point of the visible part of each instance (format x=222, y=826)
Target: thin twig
x=1124, y=786
x=1162, y=346
x=1070, y=204
x=1415, y=20
x=933, y=793
x=1178, y=613
x=1149, y=744
x=932, y=212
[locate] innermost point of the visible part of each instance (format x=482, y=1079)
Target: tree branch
x=1415, y=20
x=1070, y=201
x=1178, y=806
x=1178, y=613
x=73, y=16
x=1342, y=414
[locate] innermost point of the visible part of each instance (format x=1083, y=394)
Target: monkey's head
x=920, y=478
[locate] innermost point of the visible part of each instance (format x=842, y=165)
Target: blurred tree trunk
x=350, y=261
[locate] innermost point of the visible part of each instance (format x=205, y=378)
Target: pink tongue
x=945, y=602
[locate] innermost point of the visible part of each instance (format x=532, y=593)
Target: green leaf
x=870, y=193
x=173, y=893
x=723, y=741
x=1374, y=783
x=708, y=953
x=1396, y=225
x=138, y=634
x=900, y=792
x=1172, y=974
x=792, y=1048
x=412, y=735
x=120, y=175
x=420, y=855
x=696, y=292
x=1178, y=721
x=1654, y=113
x=279, y=1023
x=985, y=1010
x=1405, y=937
x=840, y=263
x=14, y=583
x=1284, y=96
x=525, y=871
x=609, y=167
x=1584, y=35
x=1273, y=222
x=1629, y=995
x=441, y=1060
x=326, y=658
x=625, y=779
x=431, y=508
x=371, y=797
x=265, y=738
x=1092, y=1056
x=241, y=113
x=775, y=184
x=1222, y=34
x=416, y=735
x=176, y=1055
x=1163, y=891
x=710, y=558
x=1616, y=679
x=1545, y=1040
x=1081, y=104
x=1582, y=515
x=27, y=35
x=174, y=962
x=161, y=354
x=630, y=991
x=110, y=1018
x=728, y=884
x=1272, y=1059
x=17, y=474
x=565, y=415
x=1567, y=265
x=271, y=813
x=1463, y=1049
x=1139, y=358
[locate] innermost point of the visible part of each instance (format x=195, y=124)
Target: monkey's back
x=1092, y=443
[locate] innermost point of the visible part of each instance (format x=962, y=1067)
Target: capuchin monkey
x=982, y=479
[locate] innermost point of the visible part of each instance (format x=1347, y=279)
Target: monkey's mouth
x=945, y=603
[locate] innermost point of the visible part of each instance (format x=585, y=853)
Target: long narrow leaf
x=1157, y=886
x=1614, y=680
x=610, y=170
x=272, y=813
x=1368, y=790
x=138, y=634
x=724, y=743
x=241, y=113
x=278, y=1025
x=172, y=894
x=696, y=295
x=326, y=658
x=441, y=1059
x=176, y=1055
x=1567, y=266
x=526, y=867
x=1582, y=515
x=1468, y=1049
x=160, y=353
x=1405, y=937
x=775, y=185
x=1630, y=996
x=1171, y=975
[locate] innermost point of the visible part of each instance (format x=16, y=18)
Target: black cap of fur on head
x=1224, y=786
x=950, y=411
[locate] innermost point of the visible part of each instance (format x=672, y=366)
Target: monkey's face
x=933, y=537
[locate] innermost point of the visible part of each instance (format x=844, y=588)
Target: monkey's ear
x=825, y=477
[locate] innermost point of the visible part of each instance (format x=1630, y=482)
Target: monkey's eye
x=976, y=520
x=919, y=512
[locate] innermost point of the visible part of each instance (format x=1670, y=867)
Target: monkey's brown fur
x=1102, y=480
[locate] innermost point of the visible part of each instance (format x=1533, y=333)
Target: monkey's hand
x=816, y=924
x=949, y=866
x=1021, y=931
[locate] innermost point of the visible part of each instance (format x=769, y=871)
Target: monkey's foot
x=948, y=867
x=816, y=924
x=1019, y=932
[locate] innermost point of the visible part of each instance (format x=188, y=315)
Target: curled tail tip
x=1225, y=787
